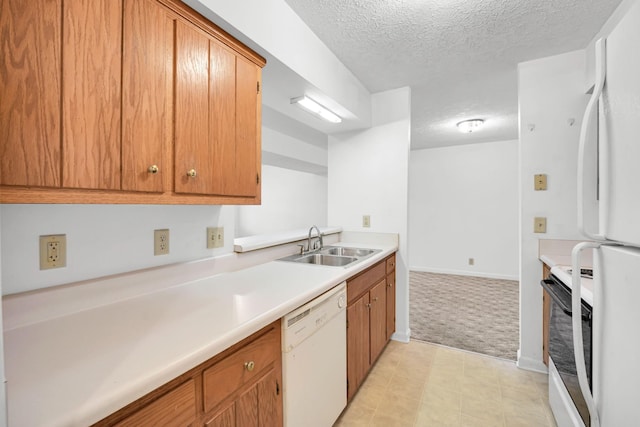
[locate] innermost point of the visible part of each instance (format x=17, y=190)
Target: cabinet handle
x=192, y=173
x=375, y=299
x=390, y=285
x=368, y=305
x=249, y=366
x=153, y=169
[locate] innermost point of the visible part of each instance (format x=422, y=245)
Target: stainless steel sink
x=344, y=251
x=323, y=259
x=335, y=256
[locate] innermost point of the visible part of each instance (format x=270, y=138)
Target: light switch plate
x=215, y=237
x=540, y=224
x=540, y=182
x=53, y=251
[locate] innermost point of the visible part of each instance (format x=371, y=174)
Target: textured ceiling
x=458, y=56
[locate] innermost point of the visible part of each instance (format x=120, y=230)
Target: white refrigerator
x=614, y=229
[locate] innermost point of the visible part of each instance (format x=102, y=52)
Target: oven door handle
x=548, y=285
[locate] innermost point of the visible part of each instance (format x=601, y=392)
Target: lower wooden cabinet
x=239, y=387
x=370, y=319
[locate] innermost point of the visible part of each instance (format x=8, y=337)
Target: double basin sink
x=335, y=256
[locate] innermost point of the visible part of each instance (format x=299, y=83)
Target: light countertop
x=75, y=369
x=557, y=255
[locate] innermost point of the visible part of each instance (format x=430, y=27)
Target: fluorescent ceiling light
x=468, y=126
x=317, y=109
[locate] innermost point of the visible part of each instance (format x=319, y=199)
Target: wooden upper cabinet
x=30, y=84
x=147, y=85
x=91, y=93
x=217, y=148
x=144, y=100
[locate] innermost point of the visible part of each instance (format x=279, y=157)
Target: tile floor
x=422, y=384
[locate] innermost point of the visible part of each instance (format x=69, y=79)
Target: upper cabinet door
x=222, y=116
x=91, y=94
x=247, y=147
x=193, y=163
x=30, y=83
x=147, y=83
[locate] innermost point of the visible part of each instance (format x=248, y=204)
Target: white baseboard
x=464, y=273
x=404, y=337
x=529, y=364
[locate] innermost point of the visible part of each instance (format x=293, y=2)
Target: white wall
x=290, y=200
x=550, y=94
x=272, y=26
x=3, y=382
x=368, y=174
x=463, y=203
x=103, y=239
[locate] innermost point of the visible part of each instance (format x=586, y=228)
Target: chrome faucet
x=309, y=247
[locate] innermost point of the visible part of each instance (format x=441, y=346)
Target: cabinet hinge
x=257, y=178
x=257, y=87
x=277, y=389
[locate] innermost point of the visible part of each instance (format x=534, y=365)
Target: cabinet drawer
x=391, y=263
x=365, y=280
x=176, y=408
x=245, y=365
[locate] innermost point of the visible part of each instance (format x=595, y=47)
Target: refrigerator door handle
x=589, y=115
x=576, y=319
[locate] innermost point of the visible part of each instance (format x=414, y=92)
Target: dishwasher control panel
x=306, y=320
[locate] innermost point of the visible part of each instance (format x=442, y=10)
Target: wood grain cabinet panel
x=358, y=344
x=175, y=409
x=91, y=93
x=391, y=295
x=226, y=418
x=222, y=116
x=370, y=319
x=147, y=86
x=378, y=319
x=30, y=85
x=244, y=366
x=246, y=163
x=126, y=101
x=391, y=304
x=192, y=155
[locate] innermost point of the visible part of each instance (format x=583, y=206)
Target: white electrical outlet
x=53, y=251
x=161, y=242
x=472, y=261
x=366, y=221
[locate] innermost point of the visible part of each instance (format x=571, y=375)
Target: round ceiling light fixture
x=468, y=126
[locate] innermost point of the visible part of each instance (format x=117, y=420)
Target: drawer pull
x=192, y=173
x=153, y=169
x=249, y=366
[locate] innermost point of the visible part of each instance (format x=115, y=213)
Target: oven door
x=561, y=341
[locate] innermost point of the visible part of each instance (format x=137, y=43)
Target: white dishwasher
x=314, y=358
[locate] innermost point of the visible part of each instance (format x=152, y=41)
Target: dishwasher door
x=315, y=361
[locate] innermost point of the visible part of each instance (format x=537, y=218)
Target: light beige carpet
x=470, y=313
